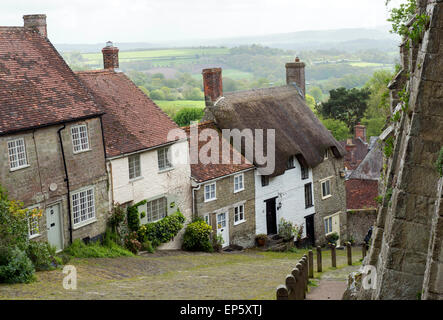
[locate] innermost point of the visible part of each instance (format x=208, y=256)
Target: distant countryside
x=172, y=76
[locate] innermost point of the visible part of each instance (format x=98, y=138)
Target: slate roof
x=361, y=194
x=204, y=172
x=371, y=166
x=132, y=121
x=37, y=87
x=352, y=159
x=297, y=130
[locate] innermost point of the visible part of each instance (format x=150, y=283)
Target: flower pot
x=261, y=242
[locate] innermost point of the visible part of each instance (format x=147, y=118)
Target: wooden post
x=296, y=273
x=319, y=268
x=306, y=271
x=302, y=281
x=311, y=263
x=333, y=256
x=282, y=292
x=291, y=285
x=363, y=250
x=349, y=251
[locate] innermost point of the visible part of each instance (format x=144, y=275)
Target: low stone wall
x=359, y=222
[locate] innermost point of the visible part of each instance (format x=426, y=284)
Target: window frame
x=311, y=198
x=326, y=154
x=18, y=167
x=149, y=209
x=264, y=181
x=78, y=126
x=304, y=172
x=139, y=176
x=165, y=151
x=242, y=182
x=241, y=213
x=327, y=222
x=88, y=219
x=290, y=164
x=324, y=181
x=210, y=192
x=207, y=219
x=35, y=235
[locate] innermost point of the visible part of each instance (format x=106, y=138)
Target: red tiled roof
x=361, y=194
x=204, y=172
x=37, y=88
x=353, y=158
x=132, y=122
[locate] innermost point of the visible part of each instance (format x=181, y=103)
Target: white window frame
x=327, y=221
x=207, y=219
x=30, y=234
x=83, y=146
x=242, y=176
x=243, y=219
x=135, y=177
x=324, y=181
x=90, y=209
x=326, y=155
x=13, y=151
x=163, y=155
x=209, y=185
x=290, y=164
x=150, y=207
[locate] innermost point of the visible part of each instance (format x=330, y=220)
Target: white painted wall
x=289, y=188
x=174, y=183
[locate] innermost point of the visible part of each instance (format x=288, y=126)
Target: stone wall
x=334, y=204
x=358, y=224
x=32, y=184
x=406, y=246
x=242, y=234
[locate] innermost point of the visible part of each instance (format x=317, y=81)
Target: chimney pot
x=212, y=84
x=110, y=56
x=360, y=132
x=295, y=72
x=36, y=22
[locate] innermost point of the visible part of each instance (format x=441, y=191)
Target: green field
x=363, y=64
x=158, y=56
x=172, y=107
x=230, y=73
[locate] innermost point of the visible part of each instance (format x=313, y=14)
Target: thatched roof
x=297, y=130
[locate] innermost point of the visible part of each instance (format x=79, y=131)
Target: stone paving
x=248, y=275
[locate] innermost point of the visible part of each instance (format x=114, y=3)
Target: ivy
x=133, y=216
x=163, y=230
x=439, y=163
x=389, y=147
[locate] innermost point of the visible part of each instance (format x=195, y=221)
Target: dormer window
x=326, y=156
x=291, y=163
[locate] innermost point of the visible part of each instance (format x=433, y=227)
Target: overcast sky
x=95, y=21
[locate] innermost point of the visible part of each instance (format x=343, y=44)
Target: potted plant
x=217, y=242
x=332, y=238
x=261, y=239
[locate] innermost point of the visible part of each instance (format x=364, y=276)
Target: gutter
x=67, y=181
x=194, y=204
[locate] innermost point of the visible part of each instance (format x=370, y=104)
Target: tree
x=157, y=95
x=186, y=115
x=347, y=105
x=378, y=103
x=193, y=94
x=401, y=15
x=316, y=93
x=145, y=91
x=338, y=128
x=310, y=101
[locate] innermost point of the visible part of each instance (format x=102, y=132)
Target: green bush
x=332, y=238
x=79, y=249
x=439, y=163
x=197, y=237
x=132, y=243
x=42, y=256
x=18, y=269
x=186, y=115
x=163, y=230
x=147, y=246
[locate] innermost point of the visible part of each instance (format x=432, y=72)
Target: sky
x=96, y=21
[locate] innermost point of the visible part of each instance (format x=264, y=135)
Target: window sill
x=309, y=206
x=165, y=170
x=239, y=222
x=136, y=179
x=209, y=200
x=84, y=223
x=34, y=236
x=19, y=168
x=82, y=151
x=240, y=190
x=326, y=197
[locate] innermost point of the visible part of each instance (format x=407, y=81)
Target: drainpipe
x=194, y=206
x=67, y=181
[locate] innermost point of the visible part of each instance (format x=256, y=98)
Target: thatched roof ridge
x=297, y=130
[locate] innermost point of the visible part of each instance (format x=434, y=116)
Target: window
x=164, y=160
x=156, y=209
x=291, y=163
x=83, y=206
x=134, y=166
x=17, y=154
x=238, y=183
x=80, y=140
x=264, y=181
x=304, y=172
x=328, y=225
x=33, y=223
x=210, y=192
x=308, y=195
x=326, y=156
x=207, y=219
x=326, y=189
x=239, y=214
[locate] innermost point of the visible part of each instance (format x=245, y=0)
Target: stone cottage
x=51, y=144
x=223, y=192
x=301, y=140
x=141, y=142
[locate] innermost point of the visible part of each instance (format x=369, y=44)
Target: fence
x=296, y=284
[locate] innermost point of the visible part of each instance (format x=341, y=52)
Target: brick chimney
x=110, y=56
x=360, y=132
x=295, y=72
x=350, y=150
x=212, y=84
x=36, y=22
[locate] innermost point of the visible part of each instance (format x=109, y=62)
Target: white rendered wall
x=174, y=183
x=289, y=189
